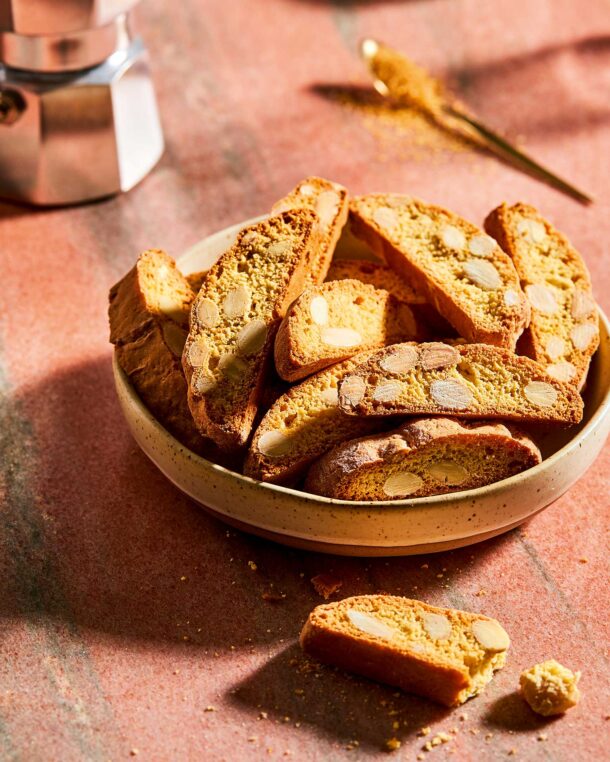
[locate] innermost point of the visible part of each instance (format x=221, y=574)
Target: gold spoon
x=406, y=83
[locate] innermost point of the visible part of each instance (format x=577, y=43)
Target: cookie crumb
x=252, y=565
x=326, y=584
x=392, y=744
x=210, y=708
x=424, y=731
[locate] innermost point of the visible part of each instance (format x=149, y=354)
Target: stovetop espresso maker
x=78, y=114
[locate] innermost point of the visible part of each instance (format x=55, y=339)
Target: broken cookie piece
x=549, y=688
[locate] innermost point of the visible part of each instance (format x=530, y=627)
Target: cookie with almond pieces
x=425, y=456
x=460, y=269
x=466, y=381
x=563, y=333
x=234, y=320
x=336, y=320
x=446, y=655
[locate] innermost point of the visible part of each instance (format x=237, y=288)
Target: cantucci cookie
x=461, y=270
x=550, y=688
x=381, y=276
x=329, y=201
x=564, y=330
x=443, y=654
x=234, y=320
x=149, y=312
x=334, y=321
x=302, y=425
x=427, y=456
x=468, y=381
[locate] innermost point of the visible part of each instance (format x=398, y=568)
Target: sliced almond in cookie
x=402, y=483
x=370, y=625
x=237, y=302
x=490, y=634
x=542, y=298
x=387, y=391
x=438, y=355
x=400, y=360
x=318, y=309
x=562, y=371
x=437, y=626
x=583, y=304
x=583, y=334
x=340, y=337
x=207, y=313
x=448, y=472
x=541, y=394
x=252, y=337
x=482, y=274
x=451, y=393
x=352, y=390
x=274, y=444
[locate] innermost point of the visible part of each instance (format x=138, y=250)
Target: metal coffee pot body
x=78, y=114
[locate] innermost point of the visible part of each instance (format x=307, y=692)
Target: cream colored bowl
x=398, y=527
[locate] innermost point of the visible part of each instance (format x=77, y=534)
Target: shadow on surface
x=93, y=535
x=512, y=713
x=290, y=688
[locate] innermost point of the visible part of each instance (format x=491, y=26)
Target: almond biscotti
x=334, y=321
x=461, y=270
x=302, y=425
x=381, y=276
x=234, y=320
x=467, y=381
x=564, y=330
x=329, y=201
x=148, y=313
x=443, y=654
x=426, y=456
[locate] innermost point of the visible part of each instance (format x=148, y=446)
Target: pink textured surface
x=105, y=649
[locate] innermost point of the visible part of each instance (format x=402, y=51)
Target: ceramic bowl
x=397, y=527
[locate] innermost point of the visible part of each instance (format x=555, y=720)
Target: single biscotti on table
x=564, y=330
x=549, y=688
x=234, y=320
x=382, y=276
x=148, y=313
x=461, y=270
x=467, y=381
x=334, y=321
x=426, y=456
x=329, y=201
x=302, y=425
x=443, y=654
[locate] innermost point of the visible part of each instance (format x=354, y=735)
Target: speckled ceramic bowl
x=398, y=527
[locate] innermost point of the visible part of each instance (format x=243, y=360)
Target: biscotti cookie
x=461, y=270
x=564, y=330
x=444, y=654
x=302, y=425
x=467, y=381
x=234, y=320
x=148, y=315
x=381, y=276
x=334, y=321
x=426, y=456
x=329, y=201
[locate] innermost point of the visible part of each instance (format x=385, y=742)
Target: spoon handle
x=506, y=150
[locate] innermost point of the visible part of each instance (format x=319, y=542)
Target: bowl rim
x=603, y=409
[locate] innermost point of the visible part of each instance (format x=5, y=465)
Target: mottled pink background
x=105, y=650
